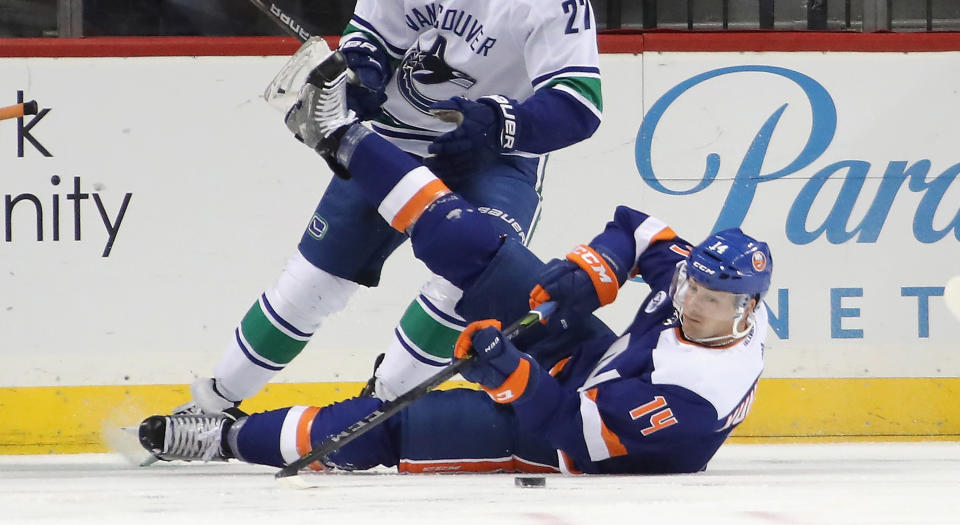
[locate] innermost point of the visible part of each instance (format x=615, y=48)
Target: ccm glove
x=369, y=64
x=581, y=283
x=499, y=367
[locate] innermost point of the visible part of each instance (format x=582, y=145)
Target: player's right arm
x=563, y=64
x=632, y=243
x=373, y=43
x=380, y=22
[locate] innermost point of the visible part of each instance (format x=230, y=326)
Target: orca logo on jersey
x=427, y=70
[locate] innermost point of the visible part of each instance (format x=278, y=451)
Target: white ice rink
x=890, y=483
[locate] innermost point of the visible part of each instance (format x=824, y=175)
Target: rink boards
x=154, y=197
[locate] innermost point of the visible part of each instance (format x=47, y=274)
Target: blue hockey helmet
x=732, y=261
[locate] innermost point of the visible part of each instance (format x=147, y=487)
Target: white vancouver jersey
x=473, y=48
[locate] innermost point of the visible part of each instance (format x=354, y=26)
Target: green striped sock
x=268, y=339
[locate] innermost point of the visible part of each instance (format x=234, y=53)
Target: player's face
x=707, y=313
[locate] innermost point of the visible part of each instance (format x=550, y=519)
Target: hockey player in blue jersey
x=570, y=396
x=480, y=91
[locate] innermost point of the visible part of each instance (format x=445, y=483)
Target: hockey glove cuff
x=580, y=284
x=501, y=369
x=488, y=122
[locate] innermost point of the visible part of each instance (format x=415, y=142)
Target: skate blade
x=149, y=460
x=126, y=442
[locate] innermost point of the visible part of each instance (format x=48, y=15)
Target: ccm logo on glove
x=599, y=271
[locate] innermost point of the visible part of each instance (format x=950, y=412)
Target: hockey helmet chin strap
x=679, y=288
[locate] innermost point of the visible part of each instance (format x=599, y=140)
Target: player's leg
x=506, y=193
x=344, y=246
x=446, y=431
x=463, y=430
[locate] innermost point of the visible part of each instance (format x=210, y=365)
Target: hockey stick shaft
x=390, y=408
x=283, y=19
x=19, y=110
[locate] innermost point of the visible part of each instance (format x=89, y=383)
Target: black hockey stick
x=283, y=19
x=390, y=408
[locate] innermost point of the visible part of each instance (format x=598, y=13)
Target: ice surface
x=850, y=483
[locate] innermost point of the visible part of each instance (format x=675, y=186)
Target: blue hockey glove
x=499, y=367
x=579, y=284
x=369, y=64
x=486, y=125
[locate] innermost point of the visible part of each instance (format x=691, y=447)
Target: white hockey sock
x=423, y=340
x=278, y=326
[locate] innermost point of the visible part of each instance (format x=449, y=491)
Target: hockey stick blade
x=390, y=408
x=293, y=27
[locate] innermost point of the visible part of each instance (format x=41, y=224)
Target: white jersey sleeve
x=561, y=50
x=382, y=22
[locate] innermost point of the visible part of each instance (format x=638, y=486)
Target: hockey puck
x=530, y=482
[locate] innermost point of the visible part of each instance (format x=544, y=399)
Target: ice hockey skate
x=207, y=399
x=188, y=437
x=283, y=89
x=320, y=116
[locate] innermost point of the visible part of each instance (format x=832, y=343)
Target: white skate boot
x=283, y=89
x=206, y=399
x=320, y=117
x=188, y=437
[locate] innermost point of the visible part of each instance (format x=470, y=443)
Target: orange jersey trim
x=610, y=439
x=665, y=234
x=568, y=464
x=557, y=368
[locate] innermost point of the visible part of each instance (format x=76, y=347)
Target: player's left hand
x=580, y=283
x=501, y=369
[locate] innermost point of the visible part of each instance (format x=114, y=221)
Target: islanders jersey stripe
x=650, y=231
x=566, y=464
x=601, y=442
x=288, y=434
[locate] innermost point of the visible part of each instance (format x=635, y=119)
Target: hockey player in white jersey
x=480, y=91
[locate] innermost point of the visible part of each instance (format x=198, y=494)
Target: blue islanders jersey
x=475, y=48
x=648, y=400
